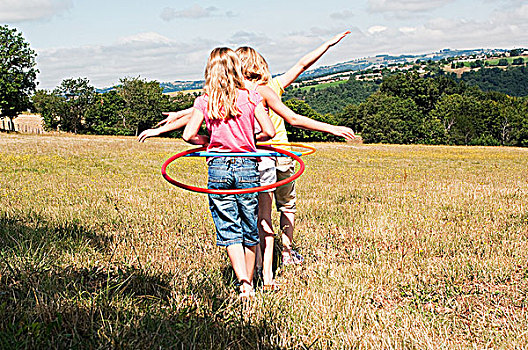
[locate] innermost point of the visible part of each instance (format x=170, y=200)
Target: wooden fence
x=24, y=123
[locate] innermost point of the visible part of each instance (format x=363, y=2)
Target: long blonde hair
x=223, y=77
x=254, y=66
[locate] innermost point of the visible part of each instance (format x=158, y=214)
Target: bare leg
x=287, y=224
x=250, y=260
x=266, y=235
x=236, y=253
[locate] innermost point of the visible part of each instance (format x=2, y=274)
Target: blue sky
x=105, y=41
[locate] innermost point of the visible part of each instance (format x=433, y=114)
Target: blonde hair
x=254, y=66
x=223, y=77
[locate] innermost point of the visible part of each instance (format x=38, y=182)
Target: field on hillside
x=321, y=86
x=406, y=247
x=495, y=61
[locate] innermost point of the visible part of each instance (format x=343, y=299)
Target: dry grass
x=406, y=247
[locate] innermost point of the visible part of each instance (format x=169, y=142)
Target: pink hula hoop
x=233, y=191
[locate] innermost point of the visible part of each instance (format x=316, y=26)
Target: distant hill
x=182, y=85
x=378, y=61
x=381, y=61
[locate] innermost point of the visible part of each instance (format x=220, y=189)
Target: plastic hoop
x=233, y=191
x=293, y=144
x=240, y=154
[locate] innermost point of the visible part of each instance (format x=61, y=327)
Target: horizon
x=335, y=64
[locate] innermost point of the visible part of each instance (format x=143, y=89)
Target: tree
x=144, y=102
x=105, y=115
x=78, y=96
x=332, y=99
x=503, y=62
x=298, y=134
x=65, y=108
x=17, y=73
x=518, y=61
x=49, y=106
x=424, y=92
x=181, y=101
x=467, y=120
x=350, y=116
x=514, y=122
x=391, y=119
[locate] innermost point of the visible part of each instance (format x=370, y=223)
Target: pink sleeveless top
x=233, y=134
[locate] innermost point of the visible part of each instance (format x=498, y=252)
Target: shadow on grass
x=45, y=304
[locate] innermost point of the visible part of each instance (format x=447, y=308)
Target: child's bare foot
x=273, y=286
x=246, y=291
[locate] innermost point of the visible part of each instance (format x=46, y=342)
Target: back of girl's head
x=254, y=66
x=223, y=78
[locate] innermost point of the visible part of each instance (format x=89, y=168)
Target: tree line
x=405, y=108
x=409, y=108
x=135, y=105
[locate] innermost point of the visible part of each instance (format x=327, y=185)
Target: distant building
x=24, y=123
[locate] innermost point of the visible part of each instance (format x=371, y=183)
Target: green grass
x=405, y=246
x=323, y=85
x=495, y=62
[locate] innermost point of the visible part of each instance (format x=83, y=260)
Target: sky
x=165, y=40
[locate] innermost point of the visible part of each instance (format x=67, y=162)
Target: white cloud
x=405, y=5
x=376, y=29
x=195, y=11
x=243, y=38
x=149, y=55
x=502, y=29
x=13, y=11
x=146, y=37
x=407, y=30
x=343, y=14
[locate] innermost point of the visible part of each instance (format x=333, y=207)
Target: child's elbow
x=271, y=133
x=294, y=120
x=186, y=136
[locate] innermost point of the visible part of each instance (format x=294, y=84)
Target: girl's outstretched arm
x=300, y=121
x=304, y=63
x=174, y=116
x=169, y=126
x=190, y=133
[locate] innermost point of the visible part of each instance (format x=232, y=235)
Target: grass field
x=409, y=247
x=323, y=85
x=495, y=61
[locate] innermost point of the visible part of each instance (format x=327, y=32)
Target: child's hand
x=171, y=117
x=343, y=131
x=337, y=38
x=146, y=134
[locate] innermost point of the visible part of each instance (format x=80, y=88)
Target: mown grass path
x=406, y=247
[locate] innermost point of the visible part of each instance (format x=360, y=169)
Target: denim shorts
x=235, y=216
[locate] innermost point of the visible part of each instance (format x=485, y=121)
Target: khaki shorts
x=267, y=171
x=285, y=197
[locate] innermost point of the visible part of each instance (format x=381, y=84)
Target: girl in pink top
x=230, y=111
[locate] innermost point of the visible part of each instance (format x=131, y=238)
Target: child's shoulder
x=275, y=85
x=201, y=101
x=247, y=93
x=249, y=96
